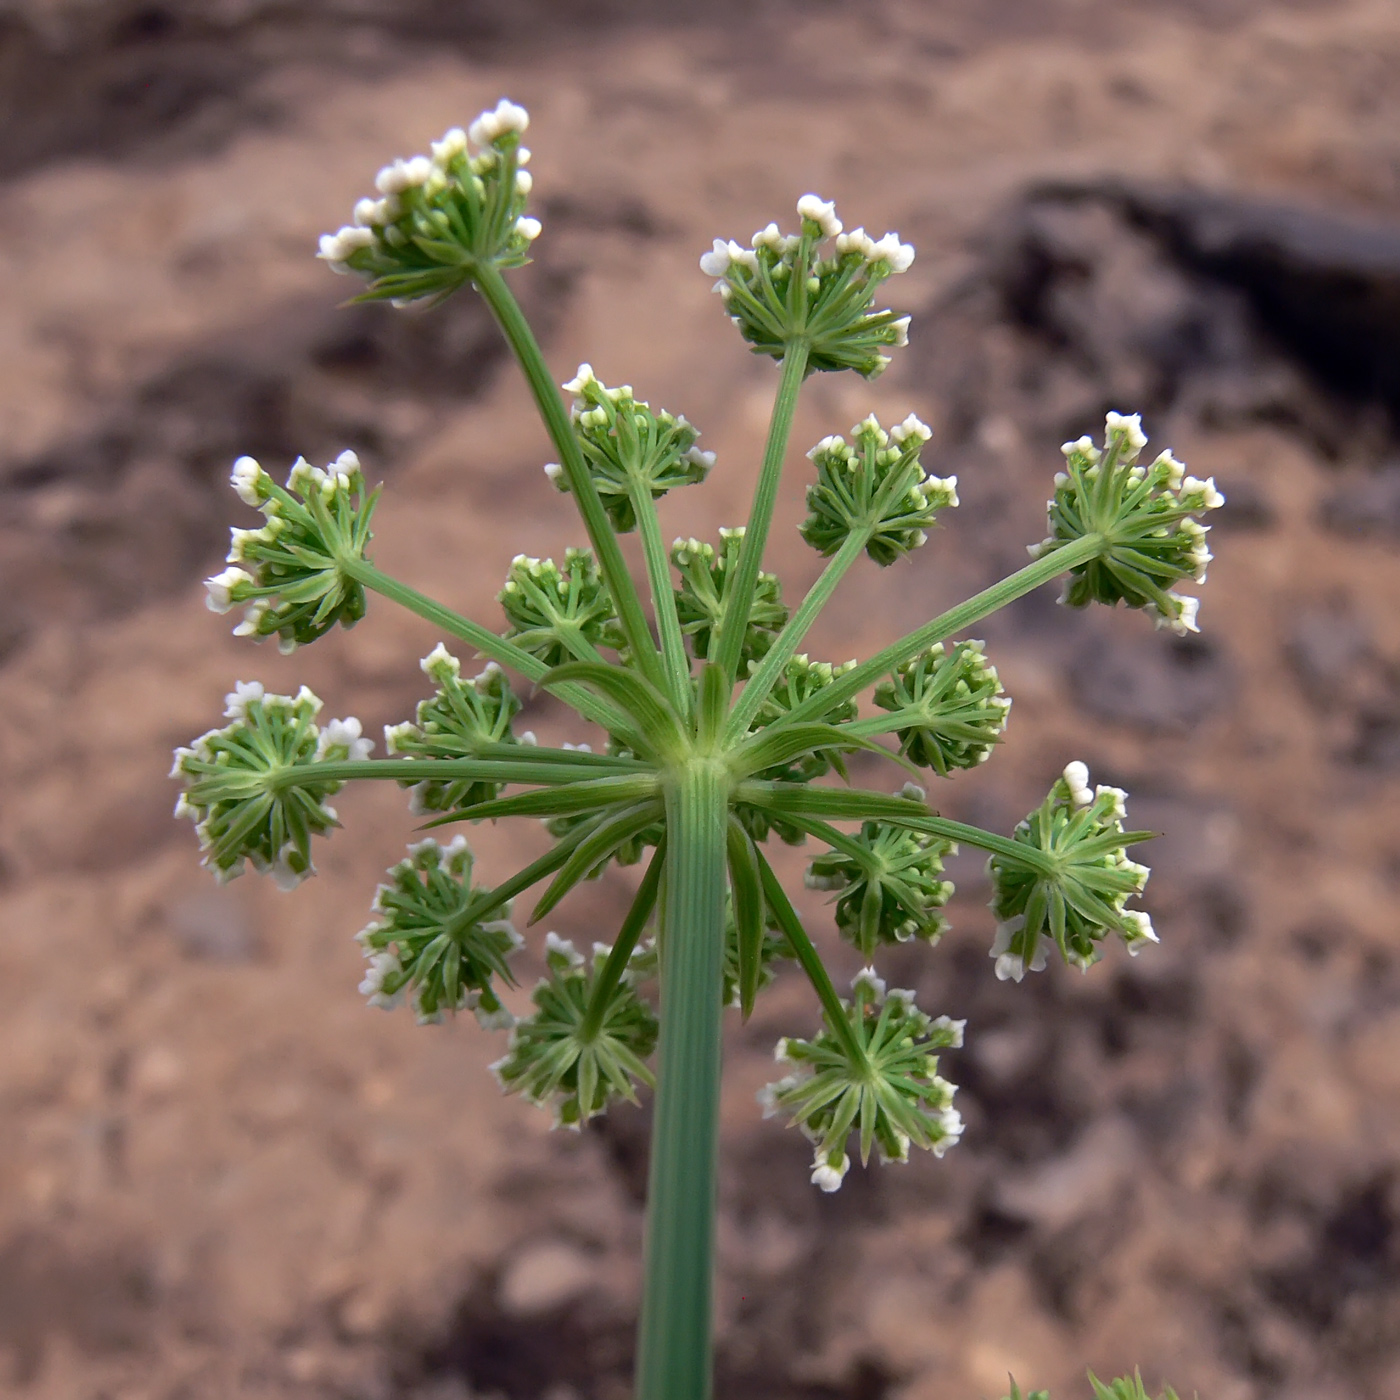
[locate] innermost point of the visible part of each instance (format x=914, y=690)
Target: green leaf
x=767, y=749
x=744, y=882
x=655, y=719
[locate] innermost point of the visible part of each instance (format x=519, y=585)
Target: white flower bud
x=236, y=702
x=220, y=588
x=495, y=122
x=344, y=734
x=826, y=1176
x=529, y=229
x=899, y=256
x=453, y=144
x=1130, y=425
x=580, y=382
x=440, y=665
x=911, y=428
x=821, y=212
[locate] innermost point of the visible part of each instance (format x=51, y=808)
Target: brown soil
x=222, y=1175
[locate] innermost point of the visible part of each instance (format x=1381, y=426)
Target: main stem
x=673, y=1343
x=736, y=618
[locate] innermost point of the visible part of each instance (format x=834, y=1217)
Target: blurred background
x=220, y=1174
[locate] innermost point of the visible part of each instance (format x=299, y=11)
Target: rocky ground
x=221, y=1174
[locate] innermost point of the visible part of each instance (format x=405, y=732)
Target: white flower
x=439, y=664
x=899, y=256
x=372, y=213
x=1137, y=931
x=496, y=122
x=555, y=473
x=220, y=588
x=453, y=143
x=580, y=382
x=821, y=212
x=868, y=977
x=1130, y=425
x=528, y=228
x=554, y=944
x=498, y=1020
x=1076, y=776
x=1119, y=809
x=1203, y=491
x=857, y=241
x=1084, y=445
x=952, y=1124
x=344, y=733
x=1185, y=621
x=911, y=428
x=715, y=263
x=236, y=702
x=336, y=248
x=524, y=182
x=951, y=1027
x=245, y=478
x=826, y=1176
x=395, y=734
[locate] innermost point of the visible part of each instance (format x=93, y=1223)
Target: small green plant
x=713, y=731
x=1124, y=1388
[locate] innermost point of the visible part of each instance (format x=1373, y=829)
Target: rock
x=544, y=1276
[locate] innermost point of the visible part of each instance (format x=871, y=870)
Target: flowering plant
x=718, y=732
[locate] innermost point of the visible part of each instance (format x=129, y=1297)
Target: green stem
x=492, y=286
x=770, y=670
x=809, y=958
x=499, y=649
x=980, y=605
x=621, y=954
x=736, y=619
x=663, y=596
x=673, y=1349
x=418, y=770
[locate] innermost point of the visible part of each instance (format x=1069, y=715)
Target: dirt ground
x=221, y=1175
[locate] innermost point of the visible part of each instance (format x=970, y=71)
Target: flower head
x=1075, y=886
x=440, y=218
x=554, y=611
x=290, y=574
x=873, y=1073
x=630, y=449
x=430, y=942
x=783, y=286
x=587, y=1041
x=464, y=719
x=1146, y=515
x=252, y=787
x=874, y=486
x=705, y=595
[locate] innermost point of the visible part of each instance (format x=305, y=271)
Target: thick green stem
x=492, y=286
x=736, y=619
x=770, y=670
x=673, y=1352
x=663, y=597
x=980, y=605
x=499, y=649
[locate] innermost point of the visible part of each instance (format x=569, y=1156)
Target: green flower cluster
x=1146, y=515
x=875, y=486
x=441, y=217
x=1075, y=887
x=873, y=1073
x=431, y=939
x=705, y=595
x=587, y=1041
x=782, y=288
x=235, y=790
x=558, y=614
x=947, y=706
x=464, y=719
x=891, y=884
x=628, y=448
x=290, y=573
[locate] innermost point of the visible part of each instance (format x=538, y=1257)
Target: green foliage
x=705, y=596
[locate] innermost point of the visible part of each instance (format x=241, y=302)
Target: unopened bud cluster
x=947, y=707
x=440, y=218
x=705, y=595
x=891, y=885
x=875, y=487
x=289, y=575
x=1148, y=516
x=784, y=286
x=431, y=944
